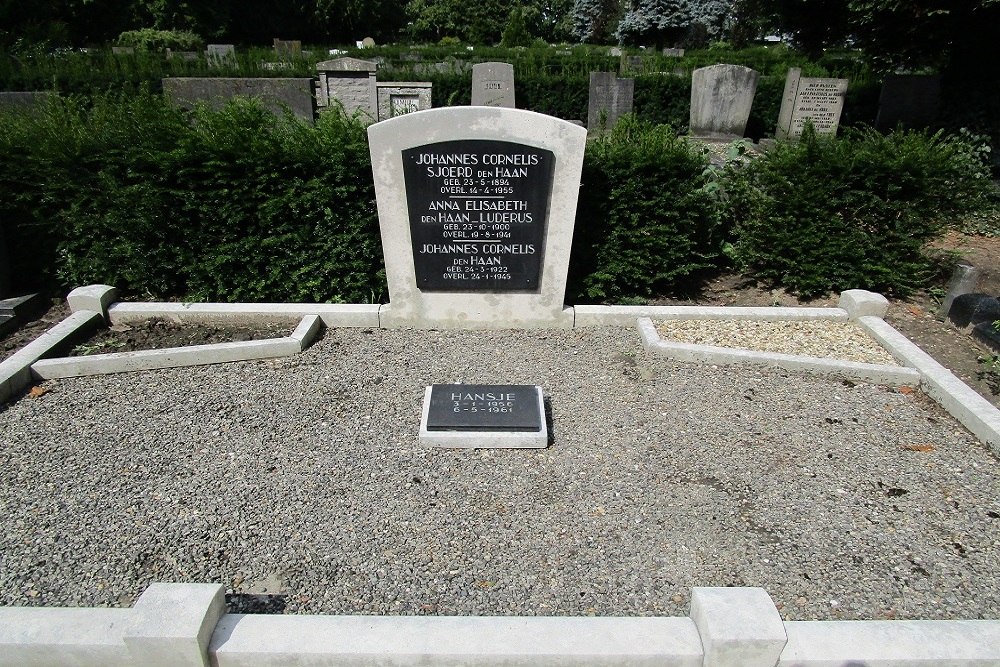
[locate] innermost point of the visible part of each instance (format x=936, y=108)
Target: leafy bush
x=230, y=205
x=827, y=214
x=646, y=220
x=150, y=39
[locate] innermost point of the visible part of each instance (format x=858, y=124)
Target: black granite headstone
x=478, y=210
x=484, y=407
x=973, y=308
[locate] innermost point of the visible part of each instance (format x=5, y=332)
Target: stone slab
x=493, y=85
x=409, y=305
x=276, y=94
x=739, y=627
x=21, y=306
x=174, y=624
x=484, y=439
x=476, y=407
x=172, y=357
x=721, y=98
x=332, y=314
x=891, y=643
x=243, y=640
x=7, y=323
x=15, y=370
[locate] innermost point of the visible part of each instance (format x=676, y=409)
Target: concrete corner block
x=93, y=297
x=306, y=331
x=862, y=303
x=174, y=624
x=739, y=627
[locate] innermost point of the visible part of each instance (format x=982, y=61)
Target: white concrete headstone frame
x=484, y=211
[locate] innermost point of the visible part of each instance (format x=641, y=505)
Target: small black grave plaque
x=484, y=407
x=478, y=210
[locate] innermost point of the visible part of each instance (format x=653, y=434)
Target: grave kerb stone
x=493, y=85
x=721, y=98
x=536, y=306
x=818, y=100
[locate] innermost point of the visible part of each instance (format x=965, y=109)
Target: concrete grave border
x=186, y=625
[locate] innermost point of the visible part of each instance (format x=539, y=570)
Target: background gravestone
x=721, y=98
x=610, y=97
x=493, y=85
x=274, y=93
x=910, y=100
x=287, y=48
x=817, y=100
x=398, y=98
x=350, y=82
x=476, y=208
x=25, y=100
x=673, y=53
x=219, y=54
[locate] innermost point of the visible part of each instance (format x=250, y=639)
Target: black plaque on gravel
x=477, y=210
x=484, y=407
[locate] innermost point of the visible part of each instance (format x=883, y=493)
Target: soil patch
x=158, y=333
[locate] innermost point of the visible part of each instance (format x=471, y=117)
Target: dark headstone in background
x=988, y=335
x=910, y=100
x=972, y=309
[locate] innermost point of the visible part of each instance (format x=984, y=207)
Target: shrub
x=646, y=221
x=230, y=205
x=150, y=39
x=827, y=214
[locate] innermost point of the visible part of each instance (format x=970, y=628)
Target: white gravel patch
x=813, y=338
x=303, y=478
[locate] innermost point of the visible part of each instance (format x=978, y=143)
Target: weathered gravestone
x=287, y=48
x=397, y=98
x=186, y=56
x=610, y=98
x=475, y=415
x=819, y=101
x=476, y=208
x=910, y=100
x=123, y=50
x=673, y=53
x=721, y=98
x=219, y=54
x=493, y=85
x=276, y=94
x=367, y=43
x=349, y=82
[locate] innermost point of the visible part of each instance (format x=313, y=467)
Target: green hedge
x=828, y=214
x=240, y=205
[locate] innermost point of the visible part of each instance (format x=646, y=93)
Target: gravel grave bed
x=301, y=481
x=813, y=338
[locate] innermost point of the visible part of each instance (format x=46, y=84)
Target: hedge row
x=239, y=205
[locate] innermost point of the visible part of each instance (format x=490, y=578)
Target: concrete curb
x=177, y=357
x=961, y=401
x=185, y=624
x=332, y=314
x=877, y=373
x=589, y=316
x=15, y=371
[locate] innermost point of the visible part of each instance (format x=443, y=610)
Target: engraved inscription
x=477, y=211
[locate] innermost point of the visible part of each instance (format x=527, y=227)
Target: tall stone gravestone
x=910, y=100
x=287, y=48
x=610, y=98
x=476, y=208
x=493, y=85
x=350, y=82
x=819, y=101
x=721, y=98
x=218, y=54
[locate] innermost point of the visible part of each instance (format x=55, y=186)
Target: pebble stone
x=813, y=338
x=301, y=482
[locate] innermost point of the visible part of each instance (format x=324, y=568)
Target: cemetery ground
x=300, y=485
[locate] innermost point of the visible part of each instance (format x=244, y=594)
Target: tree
x=472, y=21
x=593, y=21
x=516, y=33
x=656, y=21
x=351, y=20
